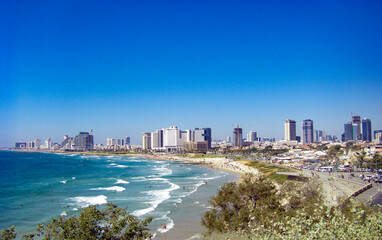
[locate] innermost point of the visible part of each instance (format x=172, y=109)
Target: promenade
x=335, y=187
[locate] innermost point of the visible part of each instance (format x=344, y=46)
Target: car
x=368, y=178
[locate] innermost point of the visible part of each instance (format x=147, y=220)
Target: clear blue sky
x=125, y=67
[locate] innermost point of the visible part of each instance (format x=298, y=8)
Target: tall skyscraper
x=157, y=139
x=146, y=140
x=307, y=131
x=84, y=141
x=356, y=120
x=366, y=130
x=238, y=136
x=290, y=130
x=376, y=132
x=127, y=141
x=319, y=136
x=348, y=135
x=202, y=135
x=251, y=136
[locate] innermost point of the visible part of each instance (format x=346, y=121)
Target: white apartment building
x=290, y=130
x=251, y=136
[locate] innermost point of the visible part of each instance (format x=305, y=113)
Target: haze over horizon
x=123, y=67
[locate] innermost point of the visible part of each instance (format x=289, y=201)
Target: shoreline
x=220, y=163
x=189, y=227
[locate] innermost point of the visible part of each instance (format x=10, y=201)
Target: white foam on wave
x=120, y=181
x=158, y=197
x=87, y=201
x=119, y=166
x=75, y=209
x=73, y=178
x=63, y=182
x=63, y=214
x=113, y=188
x=122, y=166
x=163, y=170
x=169, y=223
x=140, y=179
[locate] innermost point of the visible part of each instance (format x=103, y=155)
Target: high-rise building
x=307, y=131
x=356, y=120
x=355, y=131
x=84, y=141
x=173, y=138
x=348, y=134
x=252, y=136
x=238, y=136
x=37, y=143
x=67, y=142
x=202, y=135
x=127, y=141
x=290, y=130
x=366, y=130
x=146, y=140
x=319, y=136
x=157, y=139
x=48, y=143
x=376, y=132
x=20, y=144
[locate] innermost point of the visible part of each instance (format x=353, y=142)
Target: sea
x=36, y=187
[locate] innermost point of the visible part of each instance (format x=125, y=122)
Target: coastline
x=221, y=163
x=188, y=223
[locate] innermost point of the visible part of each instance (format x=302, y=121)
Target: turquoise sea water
x=38, y=186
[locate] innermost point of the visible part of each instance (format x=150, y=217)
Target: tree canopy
x=94, y=222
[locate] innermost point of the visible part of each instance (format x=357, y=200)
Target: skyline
x=123, y=68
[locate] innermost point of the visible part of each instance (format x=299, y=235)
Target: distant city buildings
x=84, y=141
x=307, y=131
x=290, y=130
x=366, y=130
x=357, y=130
x=238, y=137
x=356, y=122
x=174, y=139
x=252, y=136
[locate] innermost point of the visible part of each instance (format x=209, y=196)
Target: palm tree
x=361, y=158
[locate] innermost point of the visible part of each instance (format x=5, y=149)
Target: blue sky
x=125, y=67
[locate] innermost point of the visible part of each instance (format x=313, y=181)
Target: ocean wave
x=87, y=201
x=117, y=165
x=168, y=222
x=63, y=214
x=140, y=179
x=158, y=197
x=164, y=171
x=120, y=181
x=64, y=181
x=114, y=188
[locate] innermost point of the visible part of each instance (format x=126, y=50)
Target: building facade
x=252, y=136
x=356, y=120
x=348, y=132
x=290, y=130
x=366, y=130
x=146, y=140
x=84, y=141
x=202, y=135
x=307, y=131
x=238, y=137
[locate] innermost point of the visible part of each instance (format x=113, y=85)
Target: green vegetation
x=111, y=223
x=257, y=209
x=270, y=170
